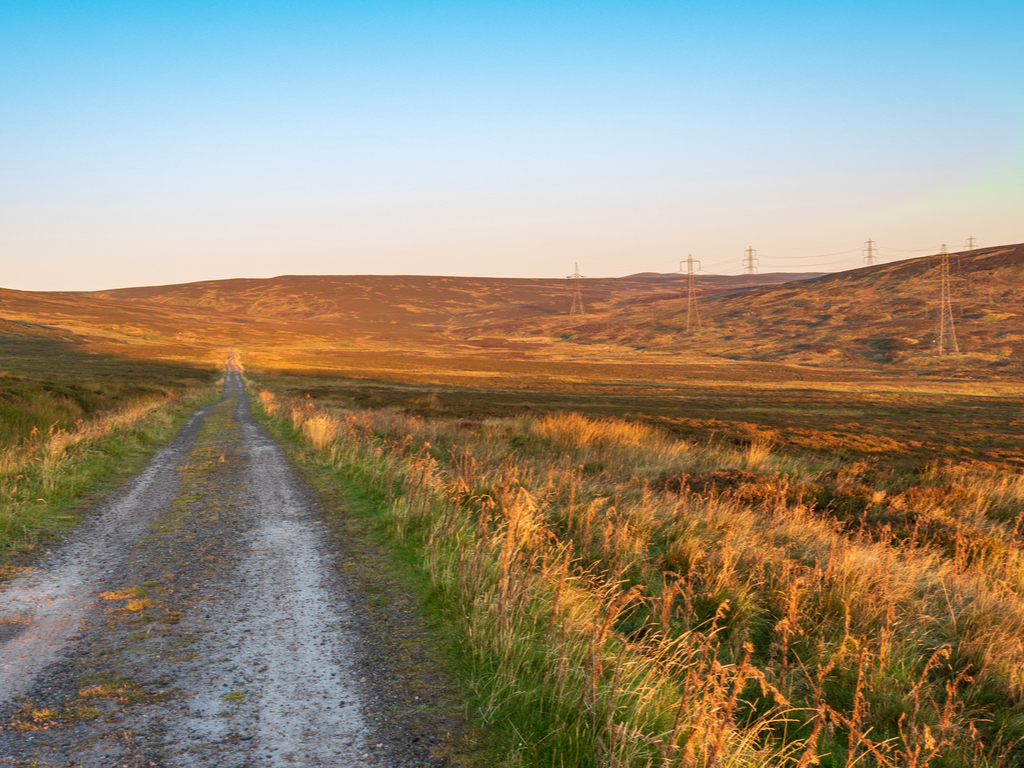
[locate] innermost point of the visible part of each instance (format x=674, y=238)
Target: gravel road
x=197, y=619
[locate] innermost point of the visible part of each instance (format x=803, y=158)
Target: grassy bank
x=44, y=479
x=52, y=384
x=630, y=598
x=71, y=421
x=840, y=414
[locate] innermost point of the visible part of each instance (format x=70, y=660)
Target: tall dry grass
x=320, y=429
x=618, y=619
x=47, y=471
x=269, y=402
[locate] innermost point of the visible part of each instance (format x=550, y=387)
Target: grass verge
x=410, y=630
x=45, y=480
x=621, y=597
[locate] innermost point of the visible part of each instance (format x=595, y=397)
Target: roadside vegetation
x=629, y=597
x=70, y=421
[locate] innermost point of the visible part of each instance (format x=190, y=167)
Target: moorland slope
x=877, y=315
x=881, y=316
x=415, y=303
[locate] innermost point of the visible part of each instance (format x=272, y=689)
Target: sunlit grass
x=44, y=475
x=631, y=598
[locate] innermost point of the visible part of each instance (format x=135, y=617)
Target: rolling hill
x=411, y=303
x=882, y=316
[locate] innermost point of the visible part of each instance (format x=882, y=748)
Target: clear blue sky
x=147, y=143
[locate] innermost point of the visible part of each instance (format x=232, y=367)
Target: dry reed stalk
x=514, y=515
x=621, y=601
x=563, y=572
x=727, y=712
x=855, y=713
x=789, y=626
x=810, y=752
x=301, y=409
x=665, y=600
x=320, y=428
x=269, y=402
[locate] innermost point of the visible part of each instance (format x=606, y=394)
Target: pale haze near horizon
x=151, y=145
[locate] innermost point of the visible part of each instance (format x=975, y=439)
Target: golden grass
x=740, y=627
x=48, y=450
x=320, y=429
x=269, y=402
x=48, y=471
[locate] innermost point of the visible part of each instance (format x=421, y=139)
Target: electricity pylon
x=869, y=252
x=692, y=313
x=577, y=293
x=749, y=260
x=946, y=334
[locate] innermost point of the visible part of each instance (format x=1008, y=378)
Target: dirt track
x=198, y=619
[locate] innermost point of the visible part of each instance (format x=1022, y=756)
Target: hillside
x=884, y=314
x=323, y=322
x=879, y=316
x=418, y=302
x=141, y=330
x=889, y=313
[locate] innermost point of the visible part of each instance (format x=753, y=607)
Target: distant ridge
x=880, y=315
x=765, y=278
x=418, y=300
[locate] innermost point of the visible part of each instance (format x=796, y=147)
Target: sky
x=169, y=142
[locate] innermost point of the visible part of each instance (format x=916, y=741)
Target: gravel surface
x=43, y=609
x=202, y=617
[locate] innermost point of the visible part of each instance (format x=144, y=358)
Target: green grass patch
x=43, y=487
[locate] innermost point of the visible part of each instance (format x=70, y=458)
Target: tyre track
x=290, y=647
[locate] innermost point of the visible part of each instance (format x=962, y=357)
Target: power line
x=805, y=267
x=869, y=252
x=819, y=255
x=802, y=266
x=749, y=261
x=810, y=261
x=895, y=253
x=719, y=264
x=577, y=292
x=692, y=314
